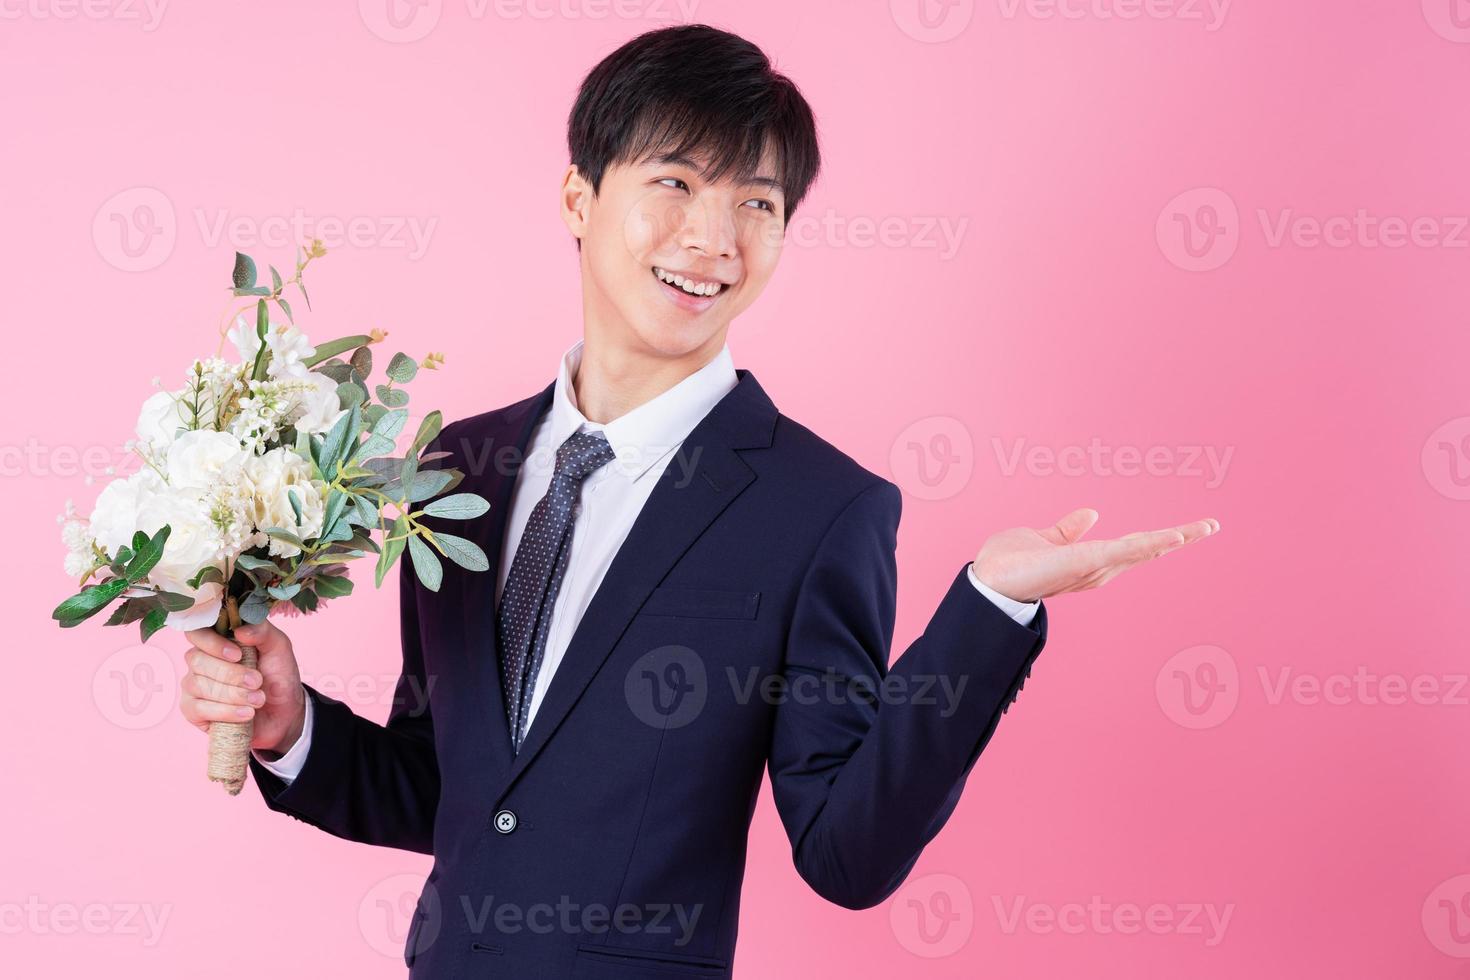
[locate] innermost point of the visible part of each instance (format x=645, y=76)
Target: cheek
x=650, y=230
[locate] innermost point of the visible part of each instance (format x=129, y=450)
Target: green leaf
x=262, y=328
x=391, y=423
x=334, y=347
x=285, y=535
x=305, y=600
x=209, y=573
x=402, y=368
x=336, y=503
x=335, y=445
x=244, y=274
x=255, y=608
x=302, y=286
x=295, y=504
x=364, y=512
x=428, y=484
x=284, y=591
x=253, y=563
x=285, y=308
x=350, y=393
x=426, y=564
x=457, y=506
x=374, y=445
x=428, y=430
x=253, y=291
x=152, y=622
x=275, y=280
x=333, y=586
x=392, y=397
x=88, y=602
x=462, y=551
x=130, y=610
x=362, y=361
x=146, y=553
x=174, y=601
x=393, y=546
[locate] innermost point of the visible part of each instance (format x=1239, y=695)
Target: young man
x=689, y=587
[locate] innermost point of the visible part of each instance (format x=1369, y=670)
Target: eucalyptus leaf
x=362, y=361
x=275, y=279
x=462, y=551
x=429, y=483
x=244, y=275
x=402, y=368
x=333, y=586
x=428, y=430
x=426, y=564
x=392, y=397
x=393, y=546
x=255, y=608
x=284, y=591
x=457, y=506
x=391, y=423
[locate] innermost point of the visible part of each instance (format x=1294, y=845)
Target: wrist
x=293, y=732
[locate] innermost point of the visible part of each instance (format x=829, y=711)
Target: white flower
x=115, y=515
x=78, y=540
x=318, y=403
x=159, y=421
x=193, y=542
x=202, y=458
x=288, y=347
x=270, y=476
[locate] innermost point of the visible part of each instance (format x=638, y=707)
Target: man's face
x=668, y=258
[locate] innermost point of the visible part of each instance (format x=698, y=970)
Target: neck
x=613, y=379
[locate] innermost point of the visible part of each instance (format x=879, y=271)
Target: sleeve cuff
x=1021, y=612
x=288, y=766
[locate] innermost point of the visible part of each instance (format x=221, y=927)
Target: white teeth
x=689, y=286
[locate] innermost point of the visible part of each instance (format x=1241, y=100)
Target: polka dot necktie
x=536, y=572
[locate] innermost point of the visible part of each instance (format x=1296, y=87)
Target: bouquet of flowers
x=260, y=479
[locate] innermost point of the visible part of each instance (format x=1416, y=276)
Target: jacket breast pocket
x=701, y=603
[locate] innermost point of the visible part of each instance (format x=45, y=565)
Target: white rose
x=159, y=421
x=193, y=542
x=318, y=403
x=270, y=476
x=201, y=458
x=115, y=515
x=288, y=347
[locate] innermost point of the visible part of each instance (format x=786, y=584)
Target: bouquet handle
x=229, y=741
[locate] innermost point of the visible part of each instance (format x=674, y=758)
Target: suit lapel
x=494, y=469
x=702, y=478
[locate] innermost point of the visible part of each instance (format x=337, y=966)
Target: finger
x=1138, y=546
x=1072, y=527
x=212, y=643
x=200, y=711
x=206, y=665
x=209, y=689
x=263, y=636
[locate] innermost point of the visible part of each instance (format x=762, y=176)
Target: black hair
x=694, y=90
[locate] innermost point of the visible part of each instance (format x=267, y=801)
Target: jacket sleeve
x=866, y=774
x=376, y=784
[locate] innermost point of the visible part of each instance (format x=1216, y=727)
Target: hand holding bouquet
x=260, y=479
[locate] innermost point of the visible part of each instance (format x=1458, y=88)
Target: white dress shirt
x=643, y=442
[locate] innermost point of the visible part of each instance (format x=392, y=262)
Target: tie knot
x=582, y=453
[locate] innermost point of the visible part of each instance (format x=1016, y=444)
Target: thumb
x=263, y=636
x=1073, y=526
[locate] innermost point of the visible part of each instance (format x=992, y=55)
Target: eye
x=762, y=203
x=671, y=181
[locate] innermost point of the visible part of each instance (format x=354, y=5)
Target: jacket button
x=505, y=821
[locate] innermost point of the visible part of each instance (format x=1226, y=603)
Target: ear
x=576, y=198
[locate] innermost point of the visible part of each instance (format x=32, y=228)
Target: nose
x=708, y=229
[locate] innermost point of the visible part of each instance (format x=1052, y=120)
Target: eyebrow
x=679, y=160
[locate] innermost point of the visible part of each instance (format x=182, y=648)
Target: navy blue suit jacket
x=745, y=623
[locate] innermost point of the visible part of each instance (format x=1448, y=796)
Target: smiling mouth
x=692, y=288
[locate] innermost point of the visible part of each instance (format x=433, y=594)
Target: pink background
x=1069, y=153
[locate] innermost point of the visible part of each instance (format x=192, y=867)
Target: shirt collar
x=645, y=435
